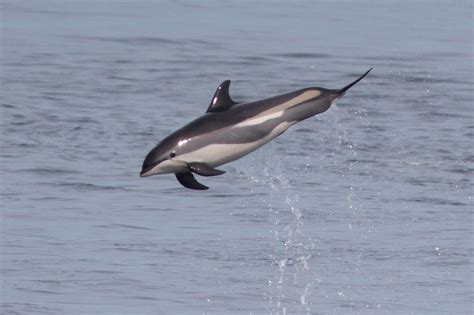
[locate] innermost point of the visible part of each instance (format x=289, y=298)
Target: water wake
x=291, y=285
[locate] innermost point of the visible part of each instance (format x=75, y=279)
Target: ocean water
x=365, y=209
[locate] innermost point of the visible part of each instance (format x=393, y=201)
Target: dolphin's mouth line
x=178, y=165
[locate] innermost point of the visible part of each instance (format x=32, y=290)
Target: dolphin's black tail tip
x=344, y=89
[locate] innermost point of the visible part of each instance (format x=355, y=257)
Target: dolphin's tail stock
x=347, y=87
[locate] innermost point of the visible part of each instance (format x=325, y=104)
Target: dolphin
x=229, y=130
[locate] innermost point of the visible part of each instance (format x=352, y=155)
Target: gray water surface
x=365, y=209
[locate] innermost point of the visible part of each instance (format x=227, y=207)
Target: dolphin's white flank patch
x=218, y=154
x=278, y=109
x=258, y=120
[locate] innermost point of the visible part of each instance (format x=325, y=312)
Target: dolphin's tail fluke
x=344, y=89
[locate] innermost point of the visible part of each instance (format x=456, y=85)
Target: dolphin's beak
x=147, y=167
x=143, y=173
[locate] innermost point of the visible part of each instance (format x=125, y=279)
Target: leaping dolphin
x=230, y=130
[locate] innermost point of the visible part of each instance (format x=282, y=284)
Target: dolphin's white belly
x=215, y=154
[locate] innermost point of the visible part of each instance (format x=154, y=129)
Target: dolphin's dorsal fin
x=221, y=100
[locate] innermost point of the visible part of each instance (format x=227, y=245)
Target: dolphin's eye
x=172, y=154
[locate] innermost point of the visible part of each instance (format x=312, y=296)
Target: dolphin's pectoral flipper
x=187, y=180
x=221, y=100
x=203, y=169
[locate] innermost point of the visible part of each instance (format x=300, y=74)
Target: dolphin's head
x=163, y=159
